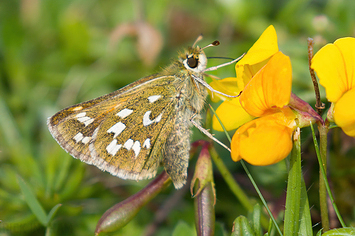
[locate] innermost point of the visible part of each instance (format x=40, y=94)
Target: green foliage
x=56, y=53
x=297, y=215
x=347, y=231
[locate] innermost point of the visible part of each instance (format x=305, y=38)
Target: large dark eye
x=192, y=62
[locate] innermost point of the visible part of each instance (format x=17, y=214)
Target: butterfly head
x=194, y=59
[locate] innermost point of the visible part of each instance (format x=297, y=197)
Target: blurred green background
x=57, y=53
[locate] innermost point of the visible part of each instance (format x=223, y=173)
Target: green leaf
x=256, y=219
x=32, y=202
x=348, y=231
x=52, y=213
x=305, y=213
x=319, y=233
x=241, y=226
x=297, y=214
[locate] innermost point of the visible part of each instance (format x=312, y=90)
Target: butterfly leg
x=207, y=133
x=205, y=84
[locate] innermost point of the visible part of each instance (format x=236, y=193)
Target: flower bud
x=120, y=214
x=202, y=189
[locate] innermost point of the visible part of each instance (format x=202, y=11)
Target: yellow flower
x=335, y=67
x=267, y=139
x=257, y=57
x=266, y=112
x=263, y=141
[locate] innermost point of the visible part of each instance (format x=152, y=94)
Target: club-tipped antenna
x=199, y=38
x=214, y=43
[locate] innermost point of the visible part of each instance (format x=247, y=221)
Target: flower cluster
x=267, y=112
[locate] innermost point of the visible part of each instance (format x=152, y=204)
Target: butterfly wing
x=122, y=132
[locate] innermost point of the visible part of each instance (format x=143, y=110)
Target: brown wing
x=122, y=132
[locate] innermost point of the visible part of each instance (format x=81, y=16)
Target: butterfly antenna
x=199, y=38
x=214, y=43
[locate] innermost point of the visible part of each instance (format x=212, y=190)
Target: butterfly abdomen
x=176, y=153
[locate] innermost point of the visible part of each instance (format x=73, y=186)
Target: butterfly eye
x=192, y=62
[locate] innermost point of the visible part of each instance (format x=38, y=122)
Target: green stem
x=323, y=130
x=324, y=176
x=261, y=198
x=234, y=187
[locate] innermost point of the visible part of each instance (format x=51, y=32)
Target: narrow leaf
x=32, y=202
x=305, y=213
x=52, y=213
x=241, y=226
x=297, y=214
x=256, y=219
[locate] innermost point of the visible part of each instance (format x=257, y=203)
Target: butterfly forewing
x=118, y=133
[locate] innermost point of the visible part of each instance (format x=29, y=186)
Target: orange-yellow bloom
x=264, y=141
x=267, y=112
x=257, y=56
x=270, y=88
x=335, y=67
x=267, y=140
x=230, y=112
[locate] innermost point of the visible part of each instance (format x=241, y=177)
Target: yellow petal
x=335, y=67
x=347, y=48
x=257, y=56
x=231, y=114
x=344, y=113
x=246, y=72
x=262, y=141
x=263, y=48
x=270, y=88
x=228, y=86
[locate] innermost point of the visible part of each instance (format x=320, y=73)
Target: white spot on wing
x=153, y=98
x=86, y=140
x=113, y=147
x=136, y=148
x=86, y=120
x=146, y=143
x=124, y=113
x=81, y=114
x=158, y=117
x=128, y=144
x=81, y=117
x=147, y=121
x=116, y=129
x=78, y=137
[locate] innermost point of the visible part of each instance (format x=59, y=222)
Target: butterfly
x=132, y=131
